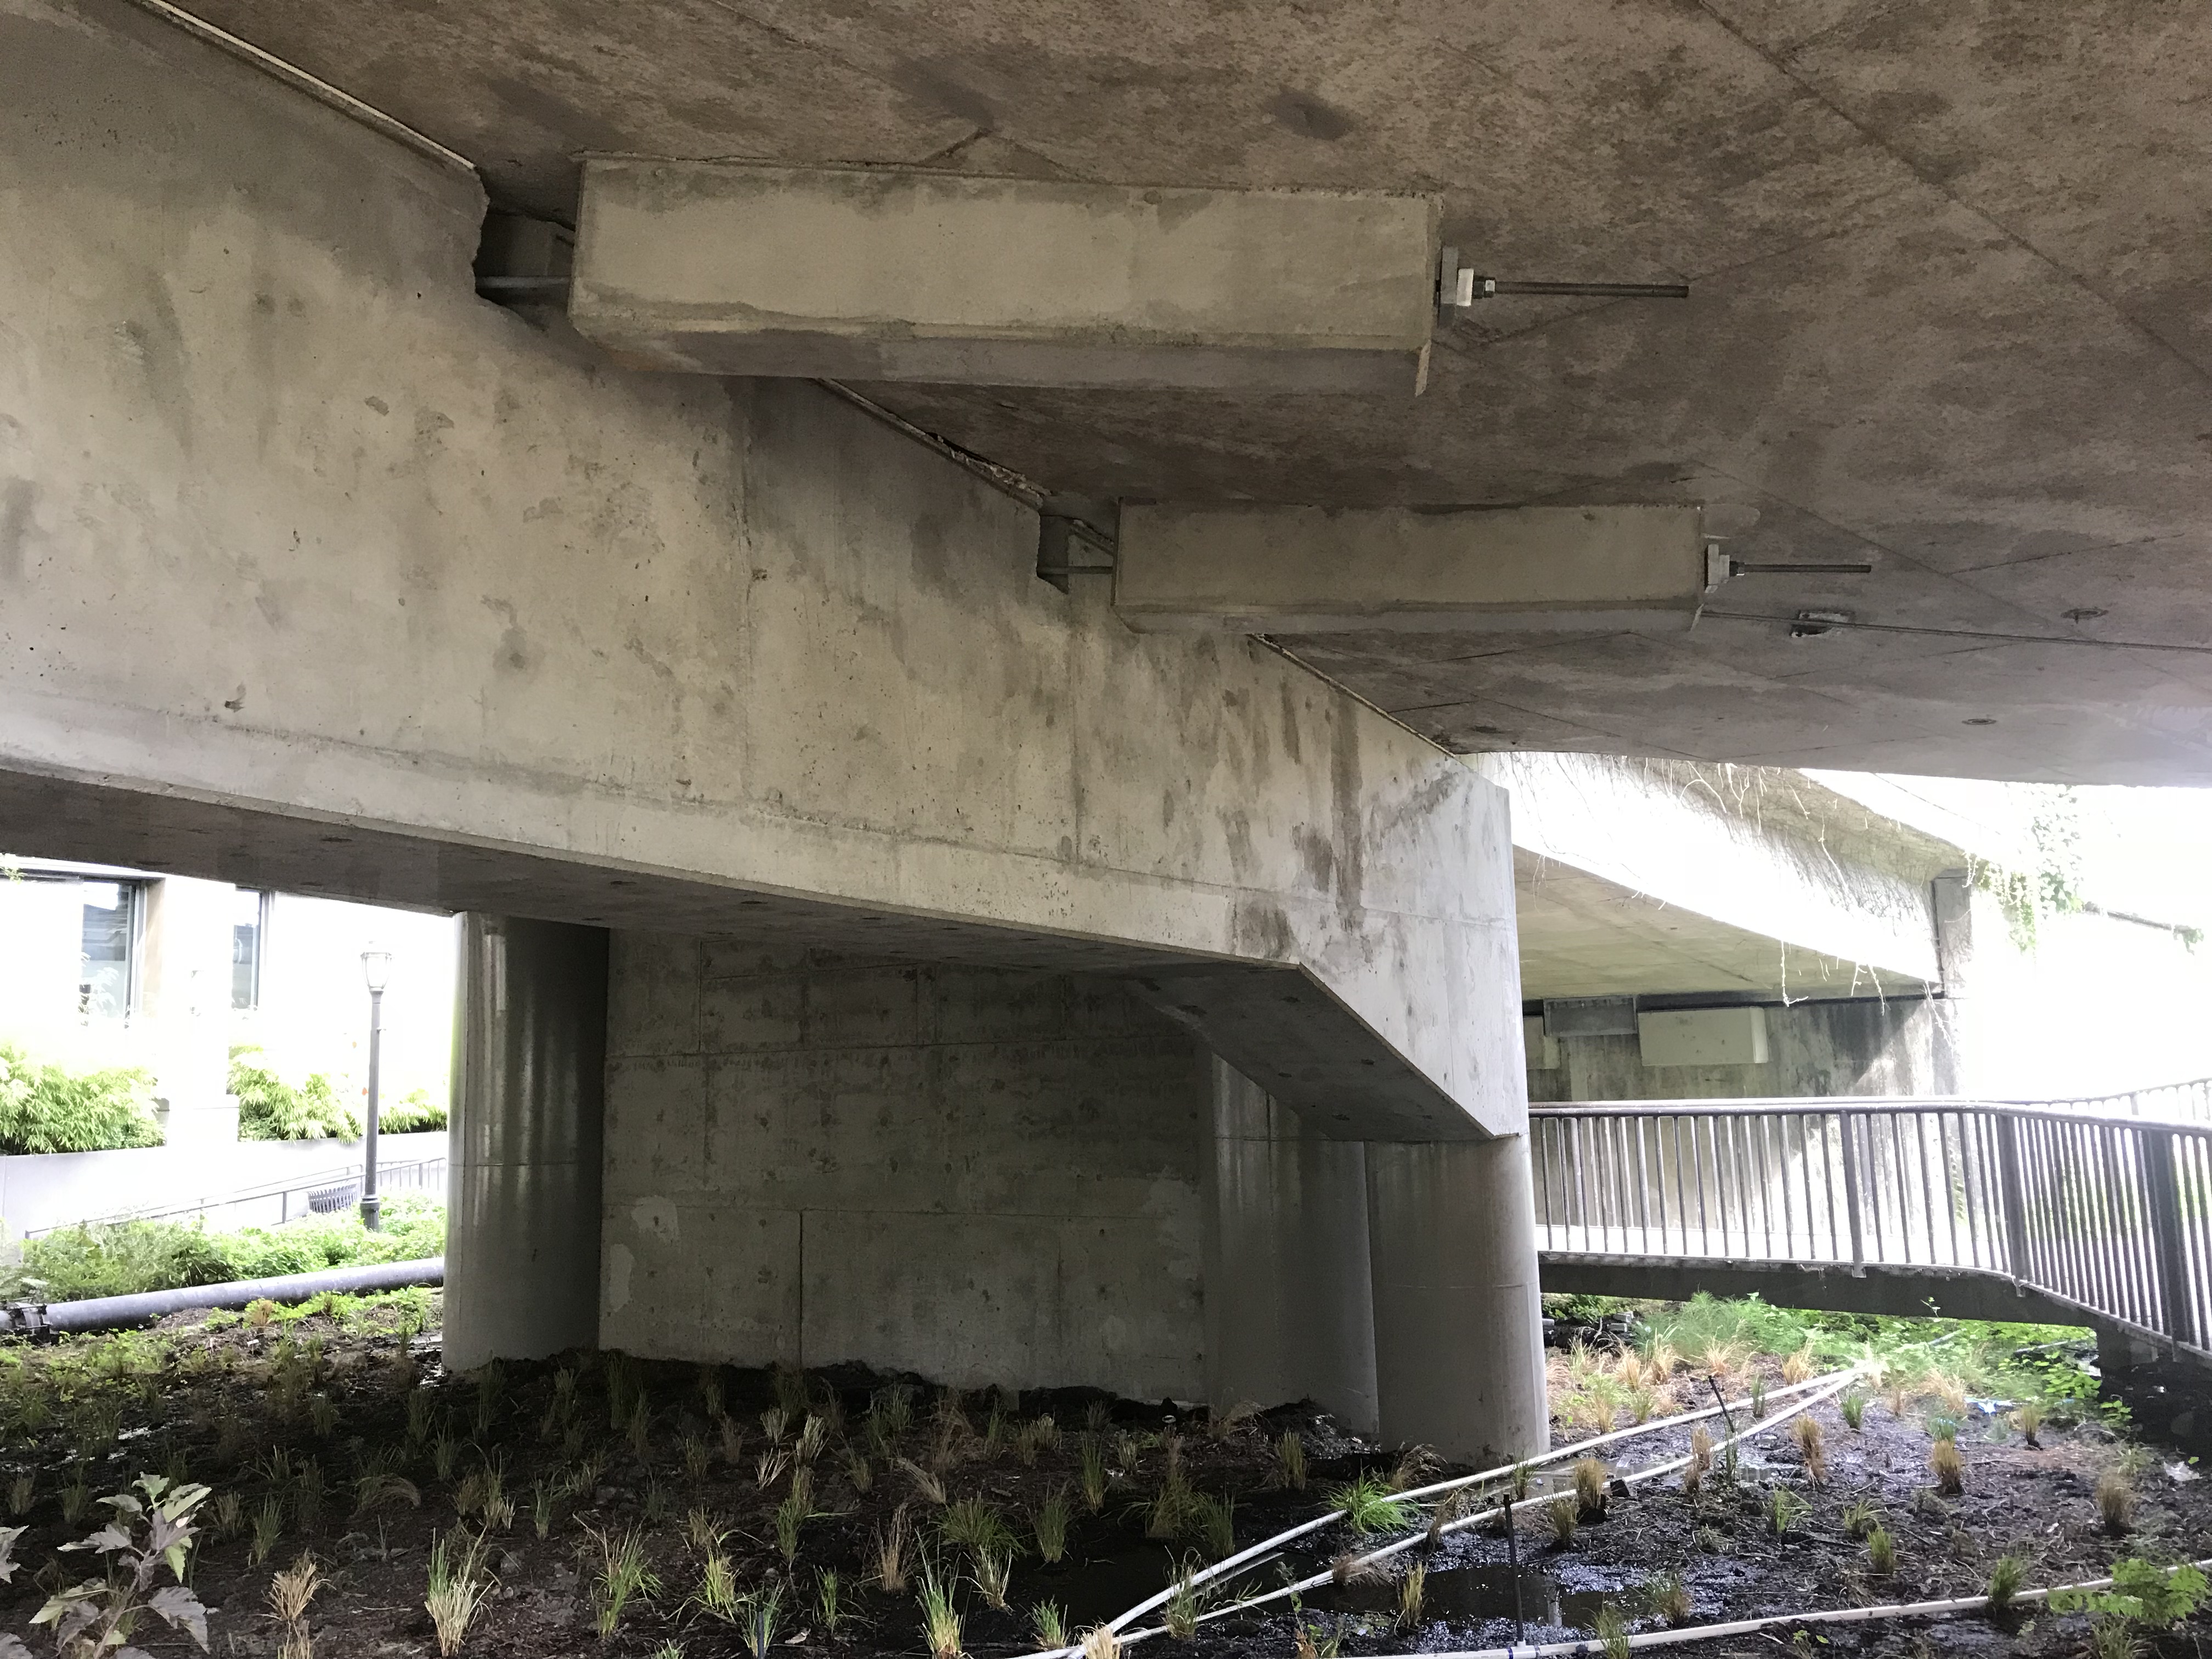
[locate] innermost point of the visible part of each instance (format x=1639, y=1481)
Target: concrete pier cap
x=1241, y=567
x=891, y=274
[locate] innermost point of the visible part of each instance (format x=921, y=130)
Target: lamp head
x=376, y=968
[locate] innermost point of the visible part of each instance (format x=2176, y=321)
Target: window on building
x=249, y=941
x=107, y=957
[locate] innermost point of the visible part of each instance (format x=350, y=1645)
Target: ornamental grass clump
x=1563, y=1514
x=1181, y=1613
x=1811, y=1449
x=758, y=1615
x=1666, y=1597
x=1785, y=1508
x=889, y=1546
x=1050, y=1523
x=1591, y=1478
x=940, y=1616
x=1049, y=1625
x=973, y=1524
x=2006, y=1577
x=2116, y=1503
x=625, y=1575
x=1411, y=1590
x=1947, y=1467
x=1369, y=1505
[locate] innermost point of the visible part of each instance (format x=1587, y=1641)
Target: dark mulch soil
x=215, y=1403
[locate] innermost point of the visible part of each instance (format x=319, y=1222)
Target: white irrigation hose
x=1229, y=1563
x=1665, y=1638
x=1834, y=1383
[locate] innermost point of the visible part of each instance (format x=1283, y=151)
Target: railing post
x=2164, y=1207
x=2014, y=1194
x=1851, y=1188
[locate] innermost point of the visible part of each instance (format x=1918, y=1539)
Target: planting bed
x=337, y=1432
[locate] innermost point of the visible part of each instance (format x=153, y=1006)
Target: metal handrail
x=413, y=1173
x=2112, y=1214
x=1870, y=1105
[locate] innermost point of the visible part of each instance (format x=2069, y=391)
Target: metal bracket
x=1059, y=535
x=1812, y=624
x=1719, y=567
x=1458, y=287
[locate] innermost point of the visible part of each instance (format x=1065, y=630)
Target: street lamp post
x=375, y=967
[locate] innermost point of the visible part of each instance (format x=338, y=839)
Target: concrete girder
x=443, y=582
x=1243, y=569
x=893, y=274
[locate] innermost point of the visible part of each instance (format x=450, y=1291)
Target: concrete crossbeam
x=882, y=274
x=1313, y=570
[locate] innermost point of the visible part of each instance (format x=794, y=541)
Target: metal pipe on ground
x=101, y=1313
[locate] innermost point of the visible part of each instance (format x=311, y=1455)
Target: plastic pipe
x=1229, y=1563
x=1832, y=1383
x=101, y=1313
x=1664, y=1639
x=1418, y=1538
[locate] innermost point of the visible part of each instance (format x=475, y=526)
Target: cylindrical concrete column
x=522, y=1231
x=1459, y=1335
x=1289, y=1296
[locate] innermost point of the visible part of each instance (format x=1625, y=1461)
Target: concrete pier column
x=1290, y=1310
x=522, y=1242
x=1459, y=1336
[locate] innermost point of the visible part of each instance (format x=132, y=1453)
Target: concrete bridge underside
x=875, y=954
x=1907, y=1292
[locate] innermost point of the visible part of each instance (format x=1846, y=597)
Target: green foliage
x=2142, y=1593
x=121, y=1258
x=2005, y=1577
x=44, y=1108
x=413, y=1113
x=2051, y=885
x=1584, y=1310
x=269, y=1109
x=1785, y=1508
x=1706, y=1322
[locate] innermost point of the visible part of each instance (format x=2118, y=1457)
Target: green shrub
x=413, y=1227
x=44, y=1108
x=269, y=1109
x=413, y=1112
x=123, y=1257
x=118, y=1259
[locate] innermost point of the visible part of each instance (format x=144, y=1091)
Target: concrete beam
x=1252, y=569
x=1872, y=1288
x=883, y=274
x=1283, y=1028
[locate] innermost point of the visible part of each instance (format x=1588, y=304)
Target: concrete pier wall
x=983, y=1177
